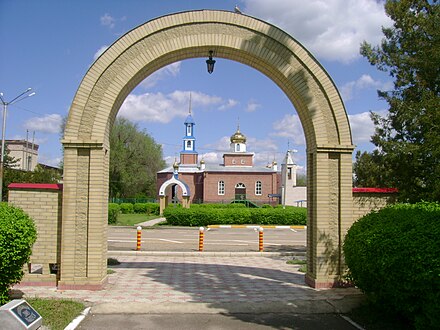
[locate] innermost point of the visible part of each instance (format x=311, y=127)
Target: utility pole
x=27, y=93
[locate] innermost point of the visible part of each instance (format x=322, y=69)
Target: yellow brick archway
x=193, y=34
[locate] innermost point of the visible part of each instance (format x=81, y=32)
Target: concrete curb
x=206, y=254
x=74, y=324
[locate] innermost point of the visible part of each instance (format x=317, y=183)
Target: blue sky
x=50, y=44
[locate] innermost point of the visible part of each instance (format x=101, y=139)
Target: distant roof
x=22, y=142
x=218, y=168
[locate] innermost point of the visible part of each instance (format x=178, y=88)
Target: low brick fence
x=43, y=203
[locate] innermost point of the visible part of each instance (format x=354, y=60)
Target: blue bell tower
x=189, y=155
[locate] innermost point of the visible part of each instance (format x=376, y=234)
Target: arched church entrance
x=240, y=191
x=194, y=34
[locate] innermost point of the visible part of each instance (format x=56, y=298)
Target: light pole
x=5, y=104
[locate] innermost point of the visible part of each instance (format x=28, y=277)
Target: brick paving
x=197, y=279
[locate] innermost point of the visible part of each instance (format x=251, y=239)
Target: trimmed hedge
x=113, y=213
x=219, y=206
x=204, y=216
x=147, y=208
x=393, y=256
x=17, y=235
x=126, y=208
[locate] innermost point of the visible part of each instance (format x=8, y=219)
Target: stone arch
x=193, y=34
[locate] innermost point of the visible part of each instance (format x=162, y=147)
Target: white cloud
x=107, y=20
x=162, y=108
x=290, y=127
x=252, y=106
x=362, y=128
x=230, y=103
x=212, y=157
x=171, y=70
x=352, y=88
x=99, y=52
x=47, y=124
x=331, y=29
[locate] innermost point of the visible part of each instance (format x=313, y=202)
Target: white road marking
x=234, y=244
x=170, y=241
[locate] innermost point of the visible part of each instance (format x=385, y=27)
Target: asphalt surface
x=215, y=240
x=217, y=321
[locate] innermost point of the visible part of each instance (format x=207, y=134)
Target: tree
x=134, y=160
x=407, y=138
x=369, y=171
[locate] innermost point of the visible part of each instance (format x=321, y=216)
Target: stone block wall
x=43, y=203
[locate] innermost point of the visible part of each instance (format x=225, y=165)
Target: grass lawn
x=132, y=219
x=56, y=314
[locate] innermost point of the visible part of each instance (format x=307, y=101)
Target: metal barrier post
x=260, y=239
x=139, y=233
x=201, y=237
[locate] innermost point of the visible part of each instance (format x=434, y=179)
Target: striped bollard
x=201, y=237
x=139, y=233
x=260, y=239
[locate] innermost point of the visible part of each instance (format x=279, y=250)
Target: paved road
x=217, y=321
x=216, y=240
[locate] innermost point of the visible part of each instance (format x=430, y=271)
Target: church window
x=188, y=130
x=233, y=161
x=289, y=173
x=258, y=187
x=242, y=162
x=237, y=147
x=188, y=144
x=221, y=187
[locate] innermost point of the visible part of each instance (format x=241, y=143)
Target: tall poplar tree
x=134, y=160
x=408, y=137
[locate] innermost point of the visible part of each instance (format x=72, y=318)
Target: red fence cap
x=376, y=190
x=51, y=186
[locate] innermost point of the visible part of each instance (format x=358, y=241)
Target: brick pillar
x=85, y=213
x=330, y=214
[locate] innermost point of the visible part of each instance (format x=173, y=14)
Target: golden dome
x=238, y=137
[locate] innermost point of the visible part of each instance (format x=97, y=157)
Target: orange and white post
x=139, y=234
x=260, y=239
x=201, y=237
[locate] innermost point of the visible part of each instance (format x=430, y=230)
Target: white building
x=291, y=194
x=25, y=152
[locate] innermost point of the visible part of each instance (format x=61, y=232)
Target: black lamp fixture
x=210, y=62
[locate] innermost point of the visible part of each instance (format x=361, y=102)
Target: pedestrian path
x=152, y=222
x=210, y=281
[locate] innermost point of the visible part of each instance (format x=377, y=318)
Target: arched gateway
x=193, y=34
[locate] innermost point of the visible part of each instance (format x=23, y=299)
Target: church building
x=237, y=178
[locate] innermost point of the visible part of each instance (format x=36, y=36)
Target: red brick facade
x=204, y=186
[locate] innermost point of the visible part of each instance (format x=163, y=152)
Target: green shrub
x=113, y=213
x=393, y=256
x=146, y=208
x=126, y=208
x=219, y=205
x=153, y=208
x=140, y=208
x=204, y=216
x=17, y=235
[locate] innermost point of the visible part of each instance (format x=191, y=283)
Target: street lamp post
x=5, y=104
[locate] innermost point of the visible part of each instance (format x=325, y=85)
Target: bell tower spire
x=189, y=155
